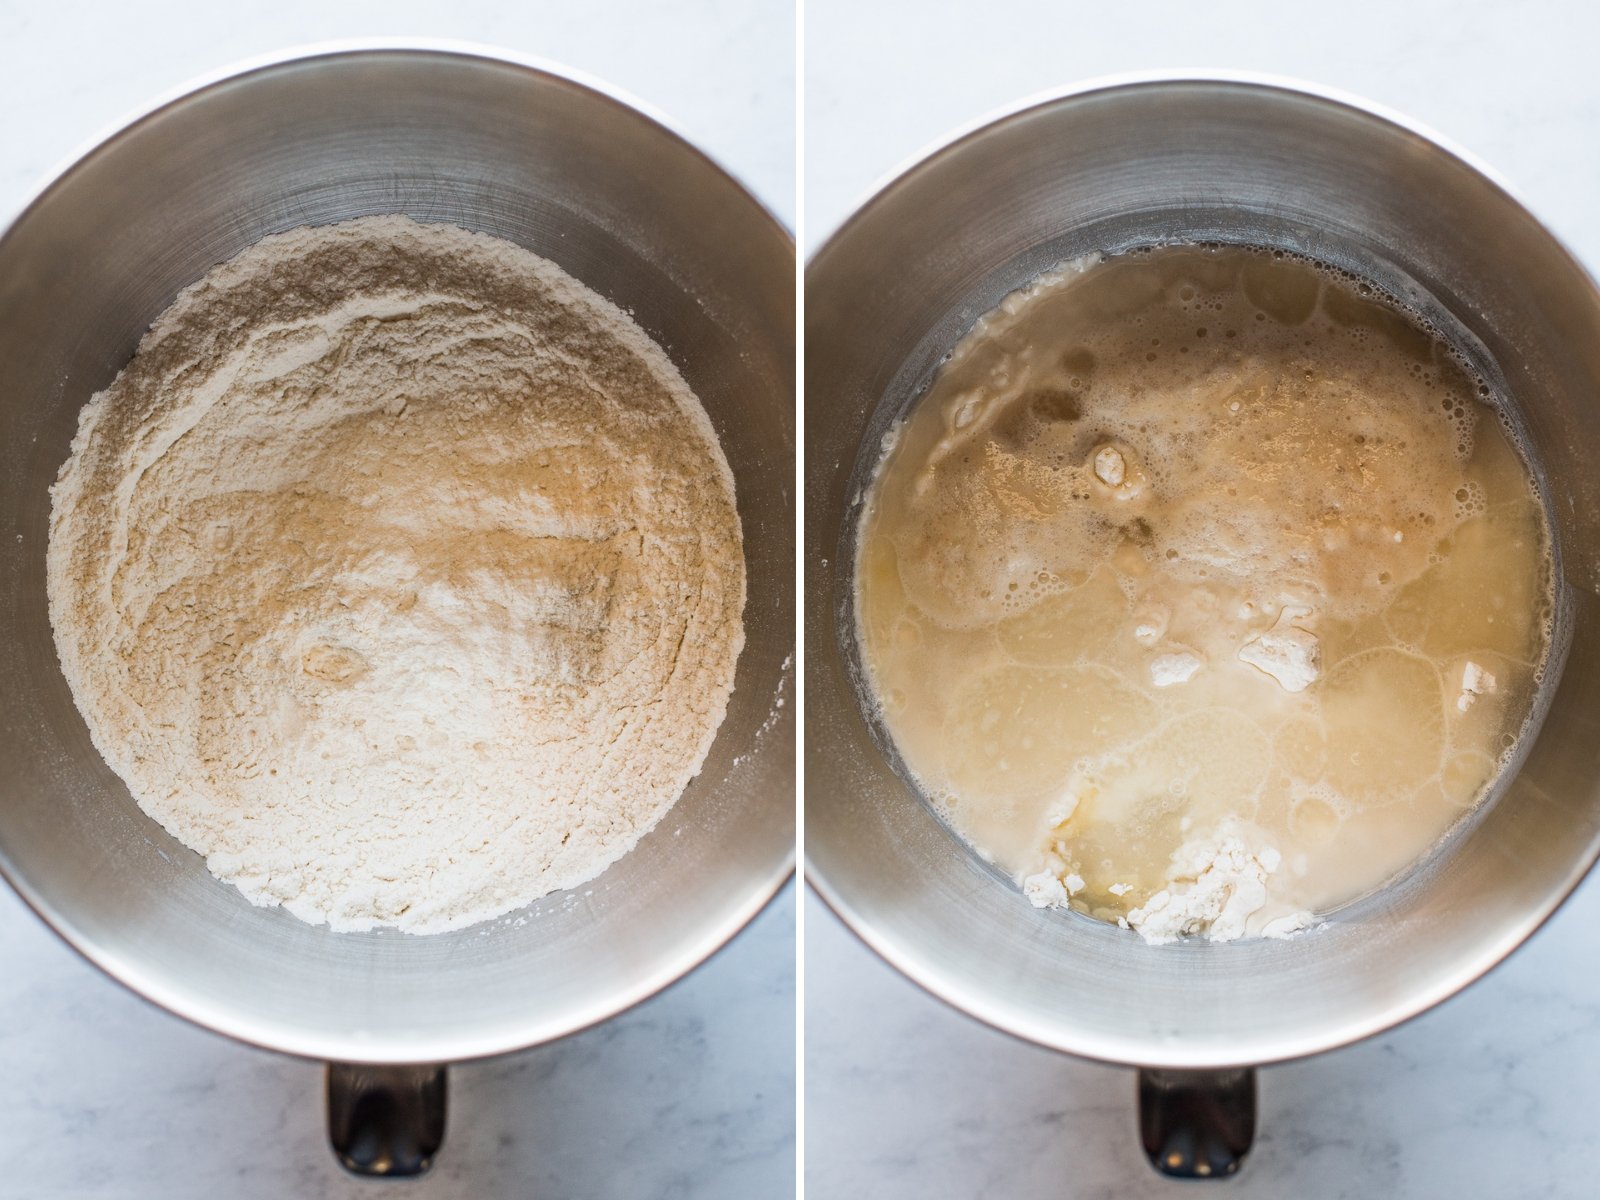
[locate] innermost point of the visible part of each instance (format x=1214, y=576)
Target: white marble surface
x=1490, y=1095
x=688, y=1095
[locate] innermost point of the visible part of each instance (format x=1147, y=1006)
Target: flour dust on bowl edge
x=1148, y=161
x=495, y=145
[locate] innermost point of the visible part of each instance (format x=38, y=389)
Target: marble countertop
x=689, y=1095
x=1489, y=1095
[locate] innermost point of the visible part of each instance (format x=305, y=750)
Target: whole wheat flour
x=399, y=575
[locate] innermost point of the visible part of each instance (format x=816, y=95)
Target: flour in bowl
x=398, y=574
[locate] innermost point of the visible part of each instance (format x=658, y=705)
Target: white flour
x=1216, y=885
x=399, y=575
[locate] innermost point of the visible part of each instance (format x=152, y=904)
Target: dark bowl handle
x=1197, y=1124
x=386, y=1121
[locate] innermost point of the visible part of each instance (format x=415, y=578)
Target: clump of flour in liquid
x=399, y=575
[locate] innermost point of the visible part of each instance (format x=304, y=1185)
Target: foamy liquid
x=1131, y=472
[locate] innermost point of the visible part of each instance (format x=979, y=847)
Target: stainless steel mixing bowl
x=618, y=200
x=1109, y=166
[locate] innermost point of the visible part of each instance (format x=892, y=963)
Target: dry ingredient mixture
x=1204, y=590
x=399, y=575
